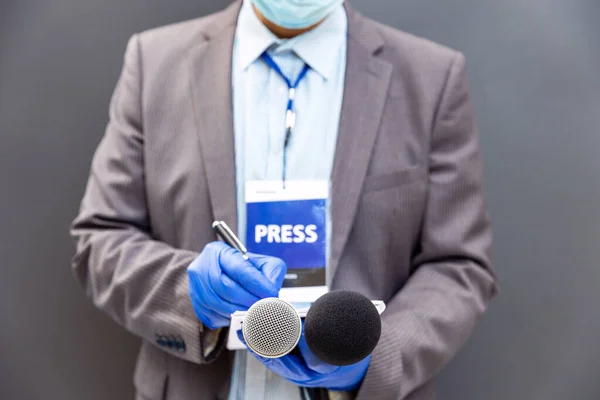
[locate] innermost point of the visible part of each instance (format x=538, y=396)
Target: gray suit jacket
x=409, y=219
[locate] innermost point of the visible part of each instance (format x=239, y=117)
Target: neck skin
x=279, y=31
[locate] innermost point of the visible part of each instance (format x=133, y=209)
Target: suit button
x=160, y=340
x=171, y=343
x=180, y=345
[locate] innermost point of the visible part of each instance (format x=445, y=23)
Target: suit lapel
x=366, y=87
x=210, y=70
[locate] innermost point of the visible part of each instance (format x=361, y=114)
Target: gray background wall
x=535, y=76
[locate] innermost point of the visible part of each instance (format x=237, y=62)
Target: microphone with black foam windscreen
x=341, y=328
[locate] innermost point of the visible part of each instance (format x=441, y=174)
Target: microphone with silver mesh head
x=272, y=328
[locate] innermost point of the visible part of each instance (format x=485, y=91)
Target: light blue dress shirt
x=260, y=98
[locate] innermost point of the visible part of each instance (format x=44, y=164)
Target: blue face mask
x=296, y=14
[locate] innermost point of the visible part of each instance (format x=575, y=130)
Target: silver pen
x=229, y=237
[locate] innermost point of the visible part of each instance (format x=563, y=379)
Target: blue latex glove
x=308, y=371
x=221, y=282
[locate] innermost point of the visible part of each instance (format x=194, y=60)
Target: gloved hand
x=221, y=282
x=308, y=371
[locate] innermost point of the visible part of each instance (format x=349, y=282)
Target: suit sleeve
x=140, y=282
x=433, y=315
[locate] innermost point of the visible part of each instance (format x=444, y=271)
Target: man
x=203, y=107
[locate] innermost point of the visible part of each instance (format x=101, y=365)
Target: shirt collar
x=319, y=48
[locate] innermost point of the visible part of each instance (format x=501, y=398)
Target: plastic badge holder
x=234, y=343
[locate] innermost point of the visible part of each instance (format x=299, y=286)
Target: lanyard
x=290, y=115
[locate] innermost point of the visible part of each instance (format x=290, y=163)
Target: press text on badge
x=286, y=233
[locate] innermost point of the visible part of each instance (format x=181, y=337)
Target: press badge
x=291, y=223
